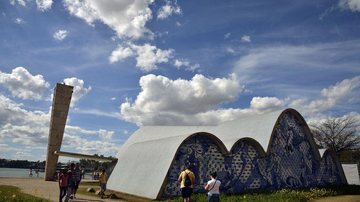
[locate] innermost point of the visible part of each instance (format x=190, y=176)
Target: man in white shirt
x=213, y=188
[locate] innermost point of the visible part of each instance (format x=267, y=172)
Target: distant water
x=18, y=172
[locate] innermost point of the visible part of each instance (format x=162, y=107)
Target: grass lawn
x=284, y=195
x=13, y=194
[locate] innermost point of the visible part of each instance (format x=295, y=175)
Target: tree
x=339, y=134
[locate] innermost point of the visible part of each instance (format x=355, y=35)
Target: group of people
x=69, y=180
x=36, y=172
x=187, y=179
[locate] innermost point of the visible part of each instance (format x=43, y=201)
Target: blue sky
x=137, y=63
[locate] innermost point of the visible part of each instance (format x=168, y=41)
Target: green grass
x=13, y=194
x=284, y=195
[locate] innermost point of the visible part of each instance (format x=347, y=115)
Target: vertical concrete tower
x=59, y=112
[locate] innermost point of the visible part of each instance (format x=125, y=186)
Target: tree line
x=87, y=165
x=6, y=163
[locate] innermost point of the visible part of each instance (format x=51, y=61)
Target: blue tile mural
x=289, y=163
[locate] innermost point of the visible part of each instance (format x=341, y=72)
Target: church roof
x=144, y=160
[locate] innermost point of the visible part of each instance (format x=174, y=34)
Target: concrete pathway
x=45, y=189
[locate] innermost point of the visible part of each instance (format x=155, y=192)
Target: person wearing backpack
x=186, y=180
x=213, y=188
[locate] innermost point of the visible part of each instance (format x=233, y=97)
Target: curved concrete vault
x=269, y=151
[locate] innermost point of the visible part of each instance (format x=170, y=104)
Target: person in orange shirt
x=186, y=180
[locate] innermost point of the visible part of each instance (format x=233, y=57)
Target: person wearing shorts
x=186, y=191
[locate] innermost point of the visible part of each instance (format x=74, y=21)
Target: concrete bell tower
x=59, y=113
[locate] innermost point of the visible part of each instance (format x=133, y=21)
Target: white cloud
x=24, y=85
x=181, y=62
x=97, y=112
x=86, y=146
x=227, y=35
x=79, y=89
x=165, y=101
x=29, y=130
x=169, y=9
x=101, y=133
x=22, y=126
x=186, y=63
x=178, y=24
x=60, y=34
x=107, y=135
x=266, y=103
x=341, y=89
x=331, y=96
x=353, y=5
x=276, y=64
x=20, y=2
x=80, y=139
x=21, y=155
x=198, y=101
x=44, y=5
x=120, y=53
x=246, y=38
x=147, y=56
x=126, y=17
x=230, y=50
x=19, y=21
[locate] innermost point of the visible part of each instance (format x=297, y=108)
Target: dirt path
x=45, y=189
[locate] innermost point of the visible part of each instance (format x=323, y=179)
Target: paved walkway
x=45, y=189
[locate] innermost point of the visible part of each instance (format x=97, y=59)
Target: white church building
x=268, y=151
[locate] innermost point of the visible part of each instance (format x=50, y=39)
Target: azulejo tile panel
x=289, y=163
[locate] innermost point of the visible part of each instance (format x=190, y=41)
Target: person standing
x=82, y=173
x=71, y=183
x=63, y=184
x=213, y=188
x=102, y=182
x=30, y=173
x=77, y=178
x=37, y=172
x=186, y=180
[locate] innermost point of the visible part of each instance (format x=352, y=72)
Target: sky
x=135, y=63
